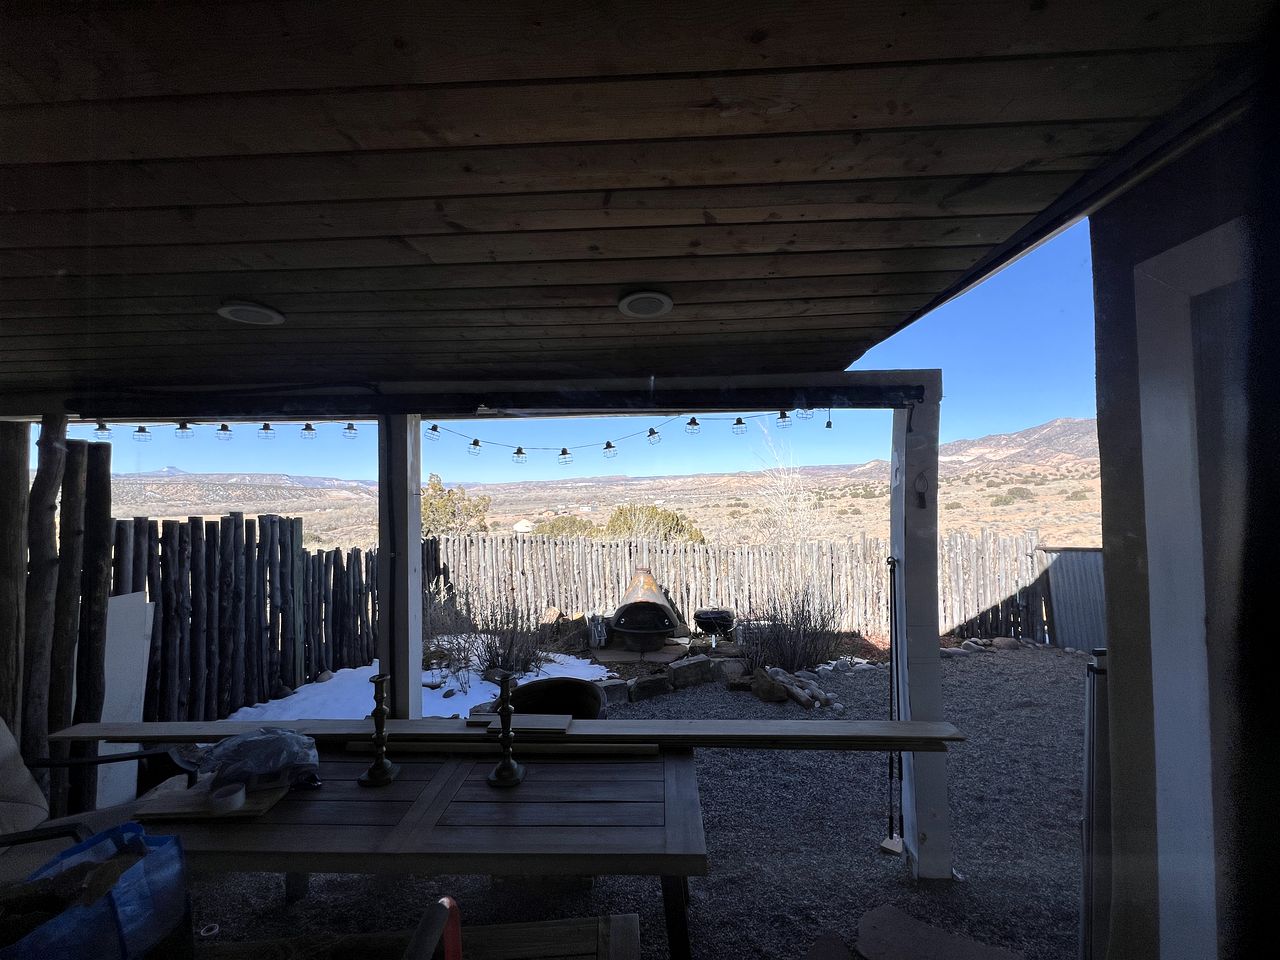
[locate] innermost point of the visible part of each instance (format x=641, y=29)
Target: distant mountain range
x=1061, y=456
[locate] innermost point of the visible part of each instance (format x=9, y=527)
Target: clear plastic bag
x=266, y=758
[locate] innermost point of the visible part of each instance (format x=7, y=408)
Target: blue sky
x=1015, y=351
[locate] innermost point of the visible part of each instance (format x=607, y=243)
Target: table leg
x=675, y=902
x=296, y=886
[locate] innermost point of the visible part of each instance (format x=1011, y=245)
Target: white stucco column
x=914, y=540
x=400, y=561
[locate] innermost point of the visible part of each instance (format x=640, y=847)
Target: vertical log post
x=15, y=459
x=273, y=589
x=122, y=563
x=91, y=671
x=152, y=703
x=168, y=602
x=297, y=569
x=184, y=621
x=42, y=582
x=400, y=572
x=226, y=625
x=66, y=611
x=213, y=616
x=237, y=613
x=252, y=623
x=288, y=675
x=141, y=563
x=199, y=616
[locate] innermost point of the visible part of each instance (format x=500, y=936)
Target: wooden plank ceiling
x=463, y=191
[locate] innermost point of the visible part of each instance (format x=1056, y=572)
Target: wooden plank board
x=560, y=246
x=1032, y=90
x=598, y=813
x=539, y=168
x=875, y=292
x=545, y=789
x=903, y=735
x=533, y=723
x=614, y=272
x=339, y=814
x=54, y=53
x=1002, y=194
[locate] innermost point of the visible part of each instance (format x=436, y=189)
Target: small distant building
x=523, y=526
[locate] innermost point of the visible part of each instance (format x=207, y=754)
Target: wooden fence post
x=168, y=601
x=226, y=627
x=15, y=458
x=253, y=684
x=199, y=616
x=236, y=690
x=91, y=674
x=213, y=615
x=42, y=579
x=66, y=614
x=122, y=562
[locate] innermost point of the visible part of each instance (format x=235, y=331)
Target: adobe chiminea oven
x=646, y=618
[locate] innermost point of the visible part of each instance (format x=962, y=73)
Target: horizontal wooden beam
x=541, y=168
x=77, y=52
x=872, y=735
x=948, y=93
x=1001, y=194
x=542, y=393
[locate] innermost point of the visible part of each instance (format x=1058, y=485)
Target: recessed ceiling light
x=644, y=304
x=242, y=311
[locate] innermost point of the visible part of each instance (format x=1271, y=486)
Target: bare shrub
x=466, y=633
x=794, y=629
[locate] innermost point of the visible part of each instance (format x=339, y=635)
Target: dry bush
x=465, y=633
x=795, y=629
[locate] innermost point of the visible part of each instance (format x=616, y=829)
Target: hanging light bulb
x=266, y=433
x=654, y=436
x=102, y=431
x=432, y=432
x=565, y=458
x=141, y=435
x=828, y=419
x=739, y=426
x=804, y=413
x=308, y=432
x=184, y=431
x=350, y=431
x=693, y=426
x=223, y=432
x=519, y=456
x=783, y=420
x=474, y=448
x=609, y=451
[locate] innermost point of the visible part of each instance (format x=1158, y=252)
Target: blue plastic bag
x=146, y=904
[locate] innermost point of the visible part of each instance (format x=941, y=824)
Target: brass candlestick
x=509, y=772
x=381, y=771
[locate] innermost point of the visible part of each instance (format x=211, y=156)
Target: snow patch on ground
x=349, y=695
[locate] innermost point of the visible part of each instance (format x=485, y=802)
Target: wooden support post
x=271, y=529
x=199, y=616
x=66, y=614
x=122, y=563
x=91, y=670
x=914, y=536
x=400, y=561
x=288, y=674
x=42, y=581
x=15, y=458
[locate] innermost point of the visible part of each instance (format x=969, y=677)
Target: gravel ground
x=792, y=836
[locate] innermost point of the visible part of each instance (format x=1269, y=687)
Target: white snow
x=350, y=695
